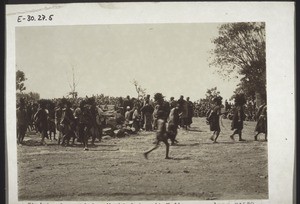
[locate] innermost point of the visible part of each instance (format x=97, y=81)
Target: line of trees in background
x=20, y=87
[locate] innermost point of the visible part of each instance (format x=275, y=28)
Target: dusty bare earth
x=116, y=170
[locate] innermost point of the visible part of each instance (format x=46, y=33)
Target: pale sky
x=167, y=58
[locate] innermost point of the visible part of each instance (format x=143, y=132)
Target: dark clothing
x=22, y=118
x=120, y=119
x=51, y=121
x=81, y=117
x=147, y=112
x=165, y=107
x=173, y=104
x=67, y=117
x=238, y=118
x=41, y=120
x=69, y=125
x=190, y=113
x=213, y=119
x=261, y=126
x=126, y=103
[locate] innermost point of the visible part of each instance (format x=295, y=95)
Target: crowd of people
x=202, y=106
x=79, y=119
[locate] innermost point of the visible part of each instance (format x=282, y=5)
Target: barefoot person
x=161, y=135
x=238, y=116
x=21, y=121
x=214, y=118
x=41, y=120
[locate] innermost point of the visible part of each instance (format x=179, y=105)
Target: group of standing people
x=144, y=114
x=70, y=123
x=238, y=118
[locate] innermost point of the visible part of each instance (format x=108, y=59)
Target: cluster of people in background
x=202, y=106
x=65, y=120
x=79, y=119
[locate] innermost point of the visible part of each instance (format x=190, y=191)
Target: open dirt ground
x=115, y=169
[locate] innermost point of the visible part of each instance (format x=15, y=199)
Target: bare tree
x=73, y=85
x=140, y=91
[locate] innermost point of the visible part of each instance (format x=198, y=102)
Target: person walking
x=239, y=116
x=214, y=118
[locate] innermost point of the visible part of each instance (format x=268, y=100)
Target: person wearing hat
x=21, y=121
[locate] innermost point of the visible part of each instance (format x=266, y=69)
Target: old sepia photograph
x=141, y=111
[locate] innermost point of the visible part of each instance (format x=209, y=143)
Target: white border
x=279, y=18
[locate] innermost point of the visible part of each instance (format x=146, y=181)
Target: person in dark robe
x=239, y=116
x=147, y=111
x=96, y=128
x=82, y=116
x=214, y=118
x=22, y=119
x=261, y=126
x=190, y=112
x=68, y=122
x=183, y=112
x=41, y=121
